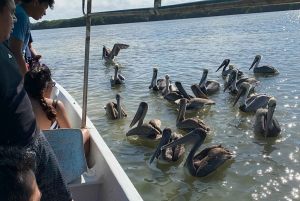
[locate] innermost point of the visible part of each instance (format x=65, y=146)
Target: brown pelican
x=114, y=110
x=171, y=96
x=146, y=131
x=117, y=78
x=262, y=69
x=171, y=154
x=157, y=84
x=208, y=86
x=189, y=124
x=193, y=104
x=254, y=102
x=169, y=87
x=207, y=160
x=108, y=55
x=234, y=85
x=226, y=72
x=265, y=123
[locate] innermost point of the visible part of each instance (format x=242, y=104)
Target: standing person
x=17, y=122
x=21, y=33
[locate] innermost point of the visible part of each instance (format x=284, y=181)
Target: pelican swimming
x=193, y=104
x=157, y=84
x=114, y=110
x=150, y=131
x=226, y=72
x=234, y=85
x=207, y=160
x=117, y=78
x=171, y=154
x=208, y=86
x=108, y=55
x=189, y=124
x=262, y=69
x=169, y=87
x=265, y=123
x=171, y=96
x=254, y=102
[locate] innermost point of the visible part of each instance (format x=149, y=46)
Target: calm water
x=263, y=169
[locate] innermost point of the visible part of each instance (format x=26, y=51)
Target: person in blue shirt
x=19, y=38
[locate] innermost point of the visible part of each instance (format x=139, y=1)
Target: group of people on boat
x=28, y=164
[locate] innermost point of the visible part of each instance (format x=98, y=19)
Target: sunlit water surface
x=264, y=169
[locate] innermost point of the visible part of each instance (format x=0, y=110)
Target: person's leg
x=86, y=140
x=48, y=174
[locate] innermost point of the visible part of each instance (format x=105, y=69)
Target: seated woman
x=49, y=113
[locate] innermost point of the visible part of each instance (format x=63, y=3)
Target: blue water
x=263, y=169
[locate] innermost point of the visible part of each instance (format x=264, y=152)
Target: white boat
x=105, y=178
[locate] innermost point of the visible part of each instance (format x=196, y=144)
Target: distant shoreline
x=81, y=21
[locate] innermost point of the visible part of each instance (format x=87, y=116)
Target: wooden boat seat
x=67, y=145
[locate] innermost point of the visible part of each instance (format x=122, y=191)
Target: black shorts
x=47, y=172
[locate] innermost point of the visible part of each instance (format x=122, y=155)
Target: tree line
x=81, y=21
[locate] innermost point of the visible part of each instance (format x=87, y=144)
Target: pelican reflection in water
x=148, y=131
x=262, y=69
x=254, y=102
x=265, y=122
x=207, y=160
x=208, y=86
x=114, y=110
x=225, y=72
x=189, y=124
x=117, y=78
x=108, y=55
x=171, y=154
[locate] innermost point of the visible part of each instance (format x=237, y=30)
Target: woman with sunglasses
x=49, y=113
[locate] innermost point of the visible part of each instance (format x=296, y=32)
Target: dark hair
x=50, y=2
x=15, y=164
x=3, y=3
x=36, y=80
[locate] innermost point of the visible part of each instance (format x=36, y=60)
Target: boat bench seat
x=67, y=145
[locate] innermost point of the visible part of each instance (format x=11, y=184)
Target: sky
x=66, y=9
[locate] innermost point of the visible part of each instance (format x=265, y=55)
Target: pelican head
x=140, y=114
x=243, y=88
x=271, y=109
x=164, y=140
x=167, y=76
x=256, y=60
x=224, y=63
x=231, y=67
x=116, y=66
x=204, y=76
x=231, y=77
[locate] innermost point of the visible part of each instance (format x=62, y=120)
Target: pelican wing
x=173, y=96
x=117, y=47
x=124, y=114
x=111, y=110
x=121, y=77
x=255, y=102
x=145, y=131
x=156, y=123
x=260, y=121
x=253, y=82
x=190, y=124
x=265, y=69
x=178, y=150
x=198, y=103
x=212, y=86
x=213, y=160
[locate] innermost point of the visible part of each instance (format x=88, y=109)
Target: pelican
x=234, y=85
x=226, y=72
x=193, y=104
x=157, y=84
x=265, y=123
x=108, y=55
x=189, y=124
x=150, y=131
x=171, y=96
x=208, y=86
x=169, y=87
x=114, y=110
x=262, y=69
x=117, y=78
x=207, y=160
x=253, y=102
x=171, y=154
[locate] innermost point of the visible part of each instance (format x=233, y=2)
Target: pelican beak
x=181, y=90
x=204, y=76
x=143, y=107
x=270, y=113
x=229, y=82
x=164, y=140
x=193, y=135
x=153, y=81
x=238, y=95
x=254, y=62
x=197, y=91
x=224, y=63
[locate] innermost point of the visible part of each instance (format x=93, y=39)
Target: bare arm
x=62, y=116
x=15, y=46
x=32, y=50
